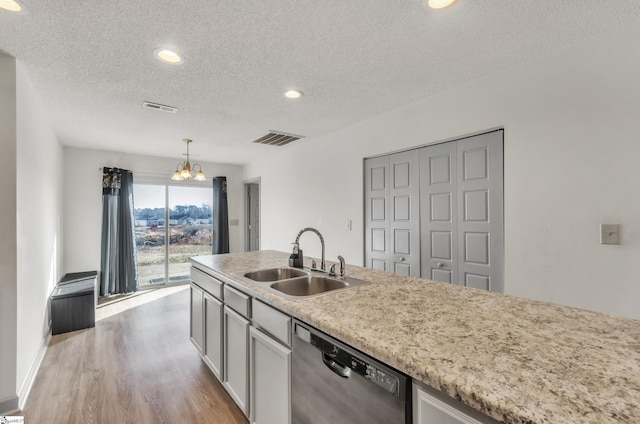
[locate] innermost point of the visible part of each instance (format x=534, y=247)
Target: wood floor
x=136, y=366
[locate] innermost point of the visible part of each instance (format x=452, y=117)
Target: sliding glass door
x=190, y=227
x=172, y=223
x=149, y=202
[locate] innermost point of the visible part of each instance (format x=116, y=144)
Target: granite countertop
x=516, y=360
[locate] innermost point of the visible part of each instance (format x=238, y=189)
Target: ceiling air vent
x=156, y=106
x=273, y=138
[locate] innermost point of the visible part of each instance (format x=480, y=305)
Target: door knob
x=401, y=259
x=440, y=264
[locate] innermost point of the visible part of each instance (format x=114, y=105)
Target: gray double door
x=437, y=212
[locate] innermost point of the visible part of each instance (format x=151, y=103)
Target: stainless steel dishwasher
x=335, y=384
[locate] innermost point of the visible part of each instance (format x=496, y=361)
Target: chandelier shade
x=184, y=170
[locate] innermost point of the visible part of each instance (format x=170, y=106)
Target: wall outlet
x=234, y=222
x=609, y=233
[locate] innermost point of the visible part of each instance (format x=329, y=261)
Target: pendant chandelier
x=184, y=169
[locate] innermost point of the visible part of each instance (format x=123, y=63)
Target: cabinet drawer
x=237, y=301
x=207, y=282
x=272, y=321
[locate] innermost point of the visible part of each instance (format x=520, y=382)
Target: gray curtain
x=220, y=216
x=118, y=273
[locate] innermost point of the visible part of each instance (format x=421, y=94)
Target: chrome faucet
x=313, y=230
x=341, y=259
x=332, y=269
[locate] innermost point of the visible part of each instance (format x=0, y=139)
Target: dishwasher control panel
x=386, y=381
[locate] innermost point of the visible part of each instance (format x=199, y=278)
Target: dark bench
x=73, y=302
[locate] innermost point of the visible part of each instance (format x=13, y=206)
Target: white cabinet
x=213, y=330
x=206, y=321
x=253, y=363
x=236, y=364
x=431, y=407
x=270, y=369
x=206, y=282
x=196, y=331
x=220, y=331
x=270, y=380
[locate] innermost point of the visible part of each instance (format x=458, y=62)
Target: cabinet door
x=197, y=318
x=429, y=409
x=376, y=212
x=236, y=354
x=213, y=317
x=270, y=380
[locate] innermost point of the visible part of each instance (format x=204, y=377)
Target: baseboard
x=9, y=406
x=25, y=388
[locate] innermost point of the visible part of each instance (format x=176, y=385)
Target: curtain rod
x=103, y=168
x=158, y=174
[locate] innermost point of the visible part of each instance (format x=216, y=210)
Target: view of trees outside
x=190, y=230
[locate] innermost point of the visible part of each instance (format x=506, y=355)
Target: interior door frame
x=247, y=211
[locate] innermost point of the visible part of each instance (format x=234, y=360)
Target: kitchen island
x=516, y=360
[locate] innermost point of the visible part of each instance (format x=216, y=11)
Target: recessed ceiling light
x=440, y=4
x=167, y=56
x=10, y=5
x=293, y=94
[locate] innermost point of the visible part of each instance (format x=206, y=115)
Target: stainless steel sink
x=296, y=284
x=309, y=285
x=275, y=274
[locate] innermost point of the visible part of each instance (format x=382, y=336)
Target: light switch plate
x=609, y=233
x=348, y=225
x=234, y=222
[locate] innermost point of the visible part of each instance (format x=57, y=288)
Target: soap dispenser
x=296, y=258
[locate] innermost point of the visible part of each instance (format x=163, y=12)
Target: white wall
x=83, y=198
x=39, y=213
x=571, y=162
x=31, y=214
x=8, y=272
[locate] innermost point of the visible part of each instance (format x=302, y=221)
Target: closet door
x=376, y=207
x=439, y=212
x=404, y=209
x=480, y=211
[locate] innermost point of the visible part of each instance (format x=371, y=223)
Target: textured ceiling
x=92, y=62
